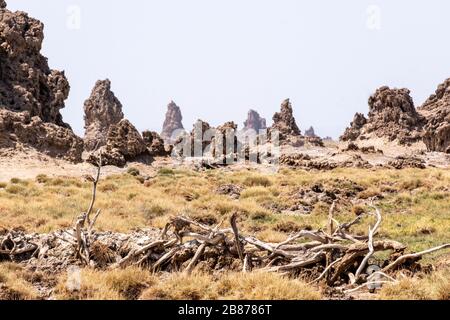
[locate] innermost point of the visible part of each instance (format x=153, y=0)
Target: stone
x=102, y=110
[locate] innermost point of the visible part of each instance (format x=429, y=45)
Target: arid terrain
x=259, y=212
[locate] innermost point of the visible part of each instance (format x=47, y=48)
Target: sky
x=218, y=58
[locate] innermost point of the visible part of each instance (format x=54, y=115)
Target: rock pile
x=102, y=110
x=392, y=115
x=172, y=123
x=436, y=110
x=32, y=94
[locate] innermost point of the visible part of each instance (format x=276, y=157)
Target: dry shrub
x=229, y=286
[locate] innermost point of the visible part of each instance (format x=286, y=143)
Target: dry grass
x=13, y=283
x=119, y=284
x=133, y=283
x=435, y=286
x=241, y=286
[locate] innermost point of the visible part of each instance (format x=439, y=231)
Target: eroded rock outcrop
x=436, y=110
x=102, y=110
x=284, y=123
x=254, y=121
x=225, y=145
x=195, y=143
x=26, y=81
x=155, y=144
x=354, y=131
x=392, y=115
x=310, y=132
x=172, y=123
x=124, y=143
x=20, y=130
x=32, y=94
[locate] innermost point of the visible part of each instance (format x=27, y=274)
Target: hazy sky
x=216, y=59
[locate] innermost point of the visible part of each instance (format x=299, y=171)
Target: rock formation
x=254, y=121
x=172, y=123
x=224, y=145
x=195, y=143
x=102, y=110
x=310, y=132
x=155, y=144
x=284, y=120
x=123, y=143
x=354, y=131
x=284, y=123
x=26, y=81
x=31, y=94
x=19, y=129
x=436, y=110
x=392, y=115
